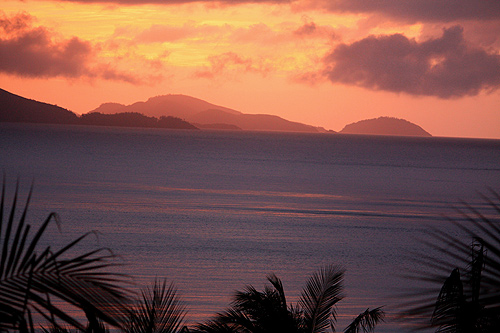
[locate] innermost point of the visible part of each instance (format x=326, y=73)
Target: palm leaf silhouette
x=158, y=311
x=254, y=311
x=322, y=291
x=366, y=321
x=468, y=299
x=31, y=278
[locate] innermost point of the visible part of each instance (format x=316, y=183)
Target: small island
x=385, y=126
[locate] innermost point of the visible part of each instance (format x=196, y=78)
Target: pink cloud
x=254, y=34
x=36, y=52
x=309, y=28
x=166, y=33
x=15, y=23
x=445, y=67
x=220, y=63
x=176, y=2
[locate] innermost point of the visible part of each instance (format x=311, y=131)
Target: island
x=385, y=126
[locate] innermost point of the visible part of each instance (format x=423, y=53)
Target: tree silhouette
x=32, y=278
x=267, y=311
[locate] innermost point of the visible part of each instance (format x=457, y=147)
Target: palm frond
x=366, y=321
x=322, y=291
x=256, y=311
x=159, y=311
x=238, y=320
x=266, y=311
x=216, y=326
x=470, y=301
x=28, y=273
x=278, y=286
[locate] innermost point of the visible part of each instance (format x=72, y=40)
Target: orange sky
x=321, y=62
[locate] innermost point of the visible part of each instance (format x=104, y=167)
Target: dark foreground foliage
x=33, y=277
x=159, y=310
x=267, y=311
x=463, y=298
x=41, y=282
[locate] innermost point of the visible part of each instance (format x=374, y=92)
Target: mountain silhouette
x=14, y=108
x=385, y=126
x=181, y=106
x=250, y=122
x=207, y=115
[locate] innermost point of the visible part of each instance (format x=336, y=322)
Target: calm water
x=214, y=211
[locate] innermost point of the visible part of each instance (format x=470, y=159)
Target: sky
x=325, y=63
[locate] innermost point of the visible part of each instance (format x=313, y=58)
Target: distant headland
x=168, y=111
x=183, y=112
x=18, y=109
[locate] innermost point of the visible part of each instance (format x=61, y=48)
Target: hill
x=385, y=126
x=14, y=108
x=181, y=106
x=250, y=122
x=158, y=112
x=207, y=115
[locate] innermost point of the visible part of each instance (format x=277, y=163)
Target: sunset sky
x=320, y=62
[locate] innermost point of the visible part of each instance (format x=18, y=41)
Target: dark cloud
x=32, y=53
x=445, y=67
x=35, y=52
x=417, y=10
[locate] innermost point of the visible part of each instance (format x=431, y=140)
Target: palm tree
x=158, y=311
x=44, y=281
x=468, y=299
x=253, y=311
x=366, y=321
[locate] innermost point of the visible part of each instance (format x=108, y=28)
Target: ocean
x=214, y=211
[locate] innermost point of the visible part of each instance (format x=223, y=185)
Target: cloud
x=234, y=62
x=30, y=51
x=36, y=52
x=165, y=33
x=414, y=10
x=445, y=67
x=228, y=35
x=309, y=28
x=15, y=23
x=256, y=33
x=177, y=2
